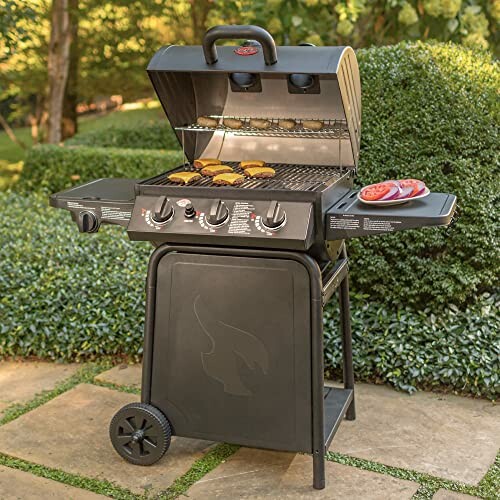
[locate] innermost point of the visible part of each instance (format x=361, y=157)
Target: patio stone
x=451, y=495
x=123, y=374
x=21, y=381
x=70, y=433
x=19, y=485
x=448, y=436
x=255, y=474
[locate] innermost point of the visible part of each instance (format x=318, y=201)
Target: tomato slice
x=417, y=186
x=375, y=191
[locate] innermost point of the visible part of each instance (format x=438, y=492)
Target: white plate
x=386, y=203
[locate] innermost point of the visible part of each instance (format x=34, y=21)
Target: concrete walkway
x=453, y=438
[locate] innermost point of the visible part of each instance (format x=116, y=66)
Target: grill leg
x=345, y=319
x=319, y=469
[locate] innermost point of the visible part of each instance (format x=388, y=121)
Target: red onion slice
x=406, y=192
x=418, y=187
x=394, y=192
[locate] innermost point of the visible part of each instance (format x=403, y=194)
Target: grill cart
x=233, y=344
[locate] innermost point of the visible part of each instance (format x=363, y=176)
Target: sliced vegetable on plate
x=414, y=186
x=382, y=191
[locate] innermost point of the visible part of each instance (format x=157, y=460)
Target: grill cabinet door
x=231, y=357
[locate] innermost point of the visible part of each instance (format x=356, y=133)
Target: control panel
x=271, y=224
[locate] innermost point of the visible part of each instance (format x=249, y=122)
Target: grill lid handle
x=235, y=31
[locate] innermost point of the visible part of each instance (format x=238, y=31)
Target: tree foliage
x=116, y=38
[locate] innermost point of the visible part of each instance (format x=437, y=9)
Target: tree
x=69, y=116
x=11, y=34
x=58, y=66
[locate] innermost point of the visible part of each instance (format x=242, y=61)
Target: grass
x=11, y=154
x=488, y=488
x=95, y=485
x=198, y=470
x=85, y=374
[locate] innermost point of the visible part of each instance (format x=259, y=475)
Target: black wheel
x=140, y=433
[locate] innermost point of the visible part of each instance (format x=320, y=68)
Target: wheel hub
x=138, y=436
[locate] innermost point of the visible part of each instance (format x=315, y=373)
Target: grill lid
x=261, y=81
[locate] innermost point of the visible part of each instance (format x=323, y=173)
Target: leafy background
x=425, y=312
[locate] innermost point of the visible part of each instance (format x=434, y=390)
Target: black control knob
x=87, y=222
x=275, y=217
x=218, y=213
x=189, y=211
x=163, y=210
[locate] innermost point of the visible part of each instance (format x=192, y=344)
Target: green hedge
x=156, y=135
x=64, y=295
x=431, y=112
x=52, y=168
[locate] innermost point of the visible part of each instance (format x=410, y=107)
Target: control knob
x=189, y=211
x=163, y=210
x=275, y=217
x=218, y=213
x=87, y=222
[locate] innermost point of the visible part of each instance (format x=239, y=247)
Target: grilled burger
x=233, y=123
x=205, y=162
x=260, y=124
x=213, y=170
x=184, y=177
x=206, y=121
x=231, y=179
x=312, y=124
x=287, y=124
x=252, y=163
x=260, y=172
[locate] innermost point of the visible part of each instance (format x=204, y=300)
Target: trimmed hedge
x=53, y=168
x=69, y=296
x=442, y=347
x=431, y=112
x=156, y=135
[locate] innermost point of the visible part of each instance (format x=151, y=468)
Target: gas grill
x=233, y=345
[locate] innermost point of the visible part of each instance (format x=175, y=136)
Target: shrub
x=53, y=168
x=442, y=347
x=431, y=112
x=61, y=300
x=156, y=135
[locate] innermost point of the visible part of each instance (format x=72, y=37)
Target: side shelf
x=101, y=201
x=350, y=218
x=336, y=403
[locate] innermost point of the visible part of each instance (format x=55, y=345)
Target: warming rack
x=332, y=129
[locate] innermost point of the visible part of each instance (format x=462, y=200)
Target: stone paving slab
x=448, y=436
x=451, y=495
x=122, y=375
x=19, y=485
x=255, y=474
x=70, y=433
x=21, y=381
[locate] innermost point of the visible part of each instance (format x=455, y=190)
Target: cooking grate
x=288, y=177
x=332, y=129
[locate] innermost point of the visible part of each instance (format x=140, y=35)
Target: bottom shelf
x=336, y=403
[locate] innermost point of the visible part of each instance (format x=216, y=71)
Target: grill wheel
x=140, y=433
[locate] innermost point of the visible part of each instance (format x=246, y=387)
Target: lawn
x=129, y=115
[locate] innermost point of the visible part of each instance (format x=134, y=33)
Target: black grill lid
x=190, y=85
